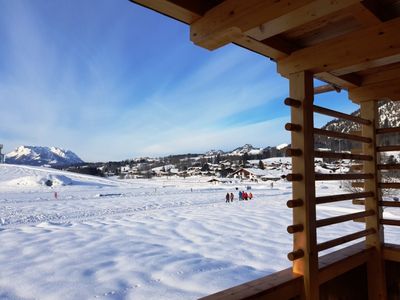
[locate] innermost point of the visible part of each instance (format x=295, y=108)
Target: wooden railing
x=296, y=228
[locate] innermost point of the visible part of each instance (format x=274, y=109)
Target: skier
x=250, y=196
x=240, y=196
x=231, y=197
x=227, y=198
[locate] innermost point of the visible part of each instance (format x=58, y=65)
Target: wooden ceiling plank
x=231, y=17
x=299, y=17
x=389, y=89
x=357, y=48
x=381, y=76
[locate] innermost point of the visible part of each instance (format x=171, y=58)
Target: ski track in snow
x=158, y=239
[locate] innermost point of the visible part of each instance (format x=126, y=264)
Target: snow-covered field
x=144, y=239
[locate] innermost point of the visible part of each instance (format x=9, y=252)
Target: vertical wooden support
x=376, y=273
x=302, y=89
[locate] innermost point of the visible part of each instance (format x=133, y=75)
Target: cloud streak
x=105, y=89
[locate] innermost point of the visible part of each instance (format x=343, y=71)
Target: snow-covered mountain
x=389, y=113
x=247, y=148
x=214, y=153
x=39, y=156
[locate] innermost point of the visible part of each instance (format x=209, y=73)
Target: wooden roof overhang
x=350, y=44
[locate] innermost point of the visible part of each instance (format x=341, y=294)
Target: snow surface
x=144, y=239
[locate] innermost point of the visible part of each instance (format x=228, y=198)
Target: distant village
x=244, y=162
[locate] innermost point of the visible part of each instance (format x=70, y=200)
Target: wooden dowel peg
x=292, y=256
x=293, y=152
x=294, y=177
x=295, y=228
x=292, y=102
x=292, y=127
x=294, y=203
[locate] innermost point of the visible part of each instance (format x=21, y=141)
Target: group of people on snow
x=242, y=196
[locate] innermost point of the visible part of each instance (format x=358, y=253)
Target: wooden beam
x=376, y=269
x=344, y=239
x=360, y=48
x=388, y=130
x=299, y=17
x=259, y=47
x=346, y=176
x=391, y=252
x=389, y=185
x=339, y=155
x=326, y=89
x=345, y=81
x=344, y=218
x=279, y=285
x=342, y=197
x=389, y=89
x=384, y=75
x=169, y=9
x=340, y=115
x=365, y=15
x=302, y=90
x=340, y=135
x=221, y=24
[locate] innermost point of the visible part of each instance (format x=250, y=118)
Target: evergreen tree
x=261, y=165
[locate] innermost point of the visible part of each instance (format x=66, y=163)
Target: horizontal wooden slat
x=342, y=197
x=388, y=130
x=389, y=203
x=391, y=252
x=344, y=239
x=336, y=114
x=389, y=185
x=279, y=285
x=344, y=218
x=388, y=167
x=338, y=155
x=388, y=148
x=380, y=203
x=341, y=135
x=354, y=176
x=390, y=222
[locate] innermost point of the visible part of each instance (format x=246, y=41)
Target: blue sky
x=111, y=80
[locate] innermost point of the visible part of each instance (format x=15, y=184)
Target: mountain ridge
x=42, y=156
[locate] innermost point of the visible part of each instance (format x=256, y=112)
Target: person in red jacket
x=250, y=196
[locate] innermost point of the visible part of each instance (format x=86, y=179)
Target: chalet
x=254, y=174
x=350, y=45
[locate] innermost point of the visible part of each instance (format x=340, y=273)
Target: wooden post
x=302, y=89
x=376, y=273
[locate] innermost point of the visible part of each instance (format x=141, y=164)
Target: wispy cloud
x=107, y=90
